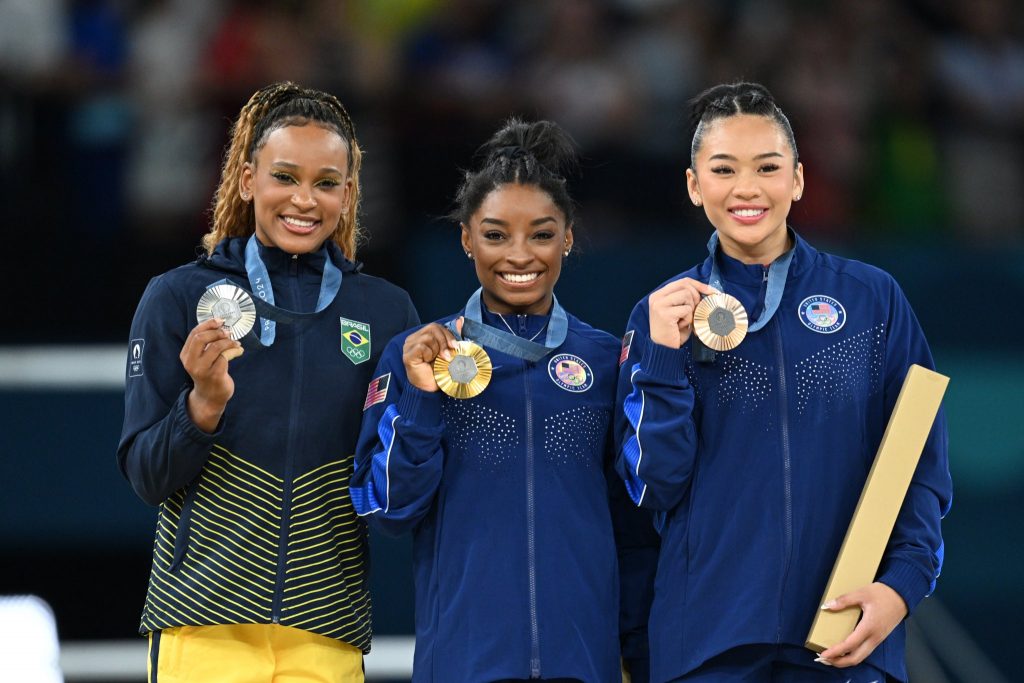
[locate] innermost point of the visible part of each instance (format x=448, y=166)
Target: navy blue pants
x=777, y=664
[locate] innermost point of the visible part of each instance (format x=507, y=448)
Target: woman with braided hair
x=492, y=445
x=750, y=436
x=260, y=563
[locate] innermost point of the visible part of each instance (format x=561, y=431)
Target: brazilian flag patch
x=355, y=340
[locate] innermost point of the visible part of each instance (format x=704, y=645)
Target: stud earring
x=469, y=255
x=697, y=202
x=245, y=196
x=566, y=252
x=797, y=198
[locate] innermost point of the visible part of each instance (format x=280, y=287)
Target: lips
x=748, y=214
x=298, y=225
x=518, y=279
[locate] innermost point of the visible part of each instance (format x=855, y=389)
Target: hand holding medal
x=234, y=307
x=434, y=359
x=672, y=310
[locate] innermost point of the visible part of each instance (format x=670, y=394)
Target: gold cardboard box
x=880, y=502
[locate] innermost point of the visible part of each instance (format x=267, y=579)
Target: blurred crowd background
x=909, y=116
x=114, y=114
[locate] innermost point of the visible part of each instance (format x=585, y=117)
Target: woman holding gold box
x=754, y=394
x=488, y=436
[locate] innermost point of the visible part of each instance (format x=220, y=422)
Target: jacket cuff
x=907, y=579
x=664, y=363
x=187, y=427
x=422, y=408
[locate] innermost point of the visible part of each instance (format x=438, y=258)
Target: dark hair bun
x=540, y=154
x=545, y=141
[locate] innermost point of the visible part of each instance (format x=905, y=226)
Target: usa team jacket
x=755, y=462
x=507, y=497
x=255, y=522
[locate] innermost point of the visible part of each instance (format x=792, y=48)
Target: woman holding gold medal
x=754, y=393
x=260, y=563
x=487, y=435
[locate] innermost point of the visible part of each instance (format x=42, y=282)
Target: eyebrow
x=536, y=221
x=294, y=167
x=729, y=157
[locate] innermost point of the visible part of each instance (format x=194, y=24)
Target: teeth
x=748, y=213
x=298, y=222
x=514, y=277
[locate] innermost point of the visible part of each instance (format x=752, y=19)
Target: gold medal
x=231, y=304
x=466, y=374
x=720, y=321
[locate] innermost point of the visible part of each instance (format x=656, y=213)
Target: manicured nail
x=829, y=605
x=821, y=660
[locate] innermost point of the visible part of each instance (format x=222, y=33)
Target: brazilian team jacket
x=507, y=497
x=755, y=461
x=255, y=522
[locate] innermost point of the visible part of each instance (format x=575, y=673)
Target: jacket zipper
x=531, y=541
x=286, y=495
x=787, y=469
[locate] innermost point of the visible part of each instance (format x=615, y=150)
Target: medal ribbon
x=473, y=327
x=263, y=292
x=777, y=273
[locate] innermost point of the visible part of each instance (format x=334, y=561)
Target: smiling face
x=300, y=187
x=746, y=179
x=517, y=238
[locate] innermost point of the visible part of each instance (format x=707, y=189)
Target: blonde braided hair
x=234, y=217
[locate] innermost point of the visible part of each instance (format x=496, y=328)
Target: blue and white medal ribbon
x=720, y=322
x=263, y=291
x=473, y=327
x=777, y=274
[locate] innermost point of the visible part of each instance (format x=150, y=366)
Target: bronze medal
x=720, y=321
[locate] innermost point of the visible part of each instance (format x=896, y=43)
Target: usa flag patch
x=377, y=391
x=627, y=341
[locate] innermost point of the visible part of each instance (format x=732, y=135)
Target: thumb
x=852, y=599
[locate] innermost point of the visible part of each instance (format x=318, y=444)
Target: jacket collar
x=229, y=255
x=751, y=275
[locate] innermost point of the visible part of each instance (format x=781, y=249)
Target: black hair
x=537, y=154
x=731, y=99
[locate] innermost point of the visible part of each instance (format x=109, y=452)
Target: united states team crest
x=355, y=340
x=570, y=372
x=822, y=314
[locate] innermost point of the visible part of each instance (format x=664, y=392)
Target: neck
x=540, y=307
x=764, y=253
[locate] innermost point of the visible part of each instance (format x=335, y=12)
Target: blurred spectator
x=910, y=115
x=980, y=65
x=174, y=155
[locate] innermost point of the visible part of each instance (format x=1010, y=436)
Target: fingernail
x=822, y=660
x=447, y=355
x=219, y=321
x=829, y=605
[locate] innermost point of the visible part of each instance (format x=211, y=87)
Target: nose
x=518, y=254
x=303, y=198
x=746, y=186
